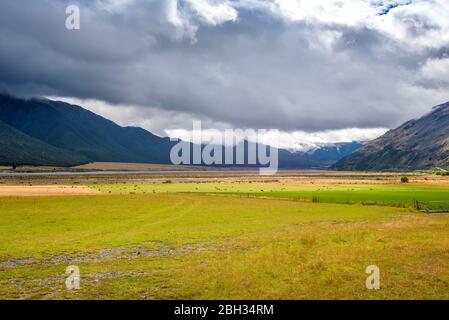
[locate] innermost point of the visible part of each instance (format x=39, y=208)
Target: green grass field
x=382, y=194
x=181, y=241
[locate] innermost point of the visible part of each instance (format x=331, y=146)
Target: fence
x=433, y=206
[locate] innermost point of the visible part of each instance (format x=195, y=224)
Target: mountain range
x=329, y=153
x=47, y=132
x=418, y=144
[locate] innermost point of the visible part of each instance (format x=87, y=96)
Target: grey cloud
x=259, y=71
x=418, y=25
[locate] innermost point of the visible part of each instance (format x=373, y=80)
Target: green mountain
x=82, y=132
x=18, y=148
x=418, y=144
x=329, y=153
x=62, y=134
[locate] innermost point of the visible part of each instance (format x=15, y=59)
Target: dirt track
x=49, y=190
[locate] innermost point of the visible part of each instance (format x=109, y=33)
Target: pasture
x=236, y=238
x=393, y=194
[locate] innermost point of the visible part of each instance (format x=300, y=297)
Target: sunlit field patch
x=369, y=194
x=170, y=245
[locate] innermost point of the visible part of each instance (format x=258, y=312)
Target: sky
x=319, y=71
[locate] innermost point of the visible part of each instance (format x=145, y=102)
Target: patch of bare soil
x=159, y=249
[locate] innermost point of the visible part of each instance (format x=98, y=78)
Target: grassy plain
x=319, y=191
x=228, y=238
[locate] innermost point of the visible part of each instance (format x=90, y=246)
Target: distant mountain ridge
x=19, y=148
x=418, y=144
x=46, y=132
x=330, y=153
x=82, y=132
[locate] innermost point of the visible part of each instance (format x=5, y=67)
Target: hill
x=328, y=154
x=70, y=134
x=18, y=148
x=418, y=144
x=83, y=132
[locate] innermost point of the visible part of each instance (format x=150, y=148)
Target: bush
x=404, y=180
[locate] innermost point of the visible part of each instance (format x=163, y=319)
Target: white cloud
x=151, y=118
x=294, y=141
x=180, y=20
x=298, y=66
x=348, y=12
x=436, y=71
x=179, y=125
x=214, y=12
x=304, y=141
x=418, y=23
x=114, y=6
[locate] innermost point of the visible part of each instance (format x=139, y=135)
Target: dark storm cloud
x=260, y=70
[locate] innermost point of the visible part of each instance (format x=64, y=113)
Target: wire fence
x=433, y=206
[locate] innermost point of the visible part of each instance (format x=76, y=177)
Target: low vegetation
x=393, y=194
x=226, y=240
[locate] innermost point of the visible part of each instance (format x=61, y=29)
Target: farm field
x=227, y=238
x=328, y=192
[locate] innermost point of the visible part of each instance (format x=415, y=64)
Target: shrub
x=404, y=180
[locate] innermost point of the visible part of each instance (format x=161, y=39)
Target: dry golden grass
x=135, y=166
x=45, y=190
x=179, y=246
x=191, y=174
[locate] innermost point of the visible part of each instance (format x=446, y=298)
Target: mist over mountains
x=46, y=132
x=421, y=143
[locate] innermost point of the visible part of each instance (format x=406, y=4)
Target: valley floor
x=293, y=236
x=44, y=190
